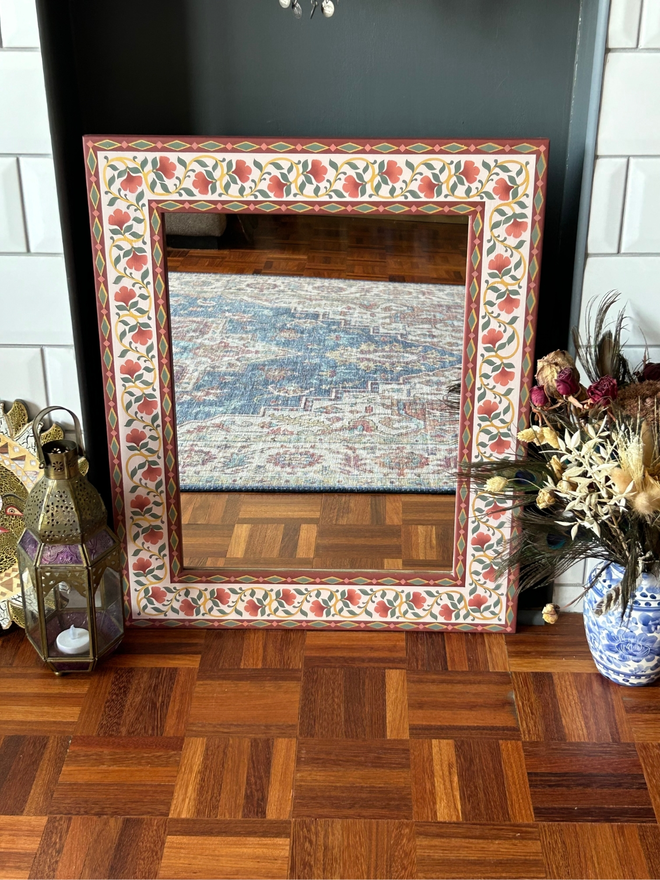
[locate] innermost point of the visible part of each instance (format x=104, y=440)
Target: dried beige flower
x=546, y=498
x=527, y=436
x=549, y=367
x=496, y=484
x=647, y=502
x=550, y=613
x=557, y=467
x=548, y=436
x=566, y=486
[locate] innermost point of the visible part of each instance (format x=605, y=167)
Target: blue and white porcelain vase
x=626, y=651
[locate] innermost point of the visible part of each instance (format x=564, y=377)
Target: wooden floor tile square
x=355, y=649
x=258, y=702
x=469, y=781
x=559, y=648
x=29, y=769
x=252, y=649
x=594, y=852
x=137, y=702
x=456, y=652
x=81, y=847
x=158, y=648
x=112, y=776
x=587, y=782
x=642, y=708
x=570, y=707
x=337, y=779
x=352, y=849
x=354, y=703
x=19, y=840
x=38, y=703
x=234, y=778
x=197, y=849
x=456, y=705
x=484, y=851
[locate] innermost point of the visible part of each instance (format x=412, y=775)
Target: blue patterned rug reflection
x=315, y=384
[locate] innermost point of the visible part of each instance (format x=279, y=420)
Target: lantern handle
x=36, y=430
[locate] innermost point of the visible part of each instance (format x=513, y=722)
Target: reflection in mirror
x=317, y=365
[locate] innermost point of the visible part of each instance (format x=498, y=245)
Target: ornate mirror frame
x=498, y=185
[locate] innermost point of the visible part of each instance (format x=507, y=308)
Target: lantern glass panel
x=61, y=554
x=65, y=605
x=99, y=543
x=29, y=543
x=31, y=607
x=108, y=609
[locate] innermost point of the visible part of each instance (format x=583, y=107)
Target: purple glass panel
x=99, y=543
x=61, y=554
x=30, y=544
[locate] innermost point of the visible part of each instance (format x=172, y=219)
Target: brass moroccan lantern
x=68, y=560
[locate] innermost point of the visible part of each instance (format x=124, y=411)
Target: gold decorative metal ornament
x=69, y=562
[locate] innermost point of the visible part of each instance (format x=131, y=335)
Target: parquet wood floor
x=270, y=754
x=419, y=250
x=317, y=531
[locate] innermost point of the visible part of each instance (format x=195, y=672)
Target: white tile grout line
x=15, y=49
x=621, y=255
x=633, y=50
x=23, y=211
x=37, y=345
x=639, y=22
x=31, y=254
x=623, y=206
x=44, y=371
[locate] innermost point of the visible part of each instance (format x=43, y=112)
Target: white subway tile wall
x=37, y=361
x=623, y=250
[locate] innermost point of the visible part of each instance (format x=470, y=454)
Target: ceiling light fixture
x=327, y=7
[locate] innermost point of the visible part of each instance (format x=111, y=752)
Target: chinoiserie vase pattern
x=625, y=650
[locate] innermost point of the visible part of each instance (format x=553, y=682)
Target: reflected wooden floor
x=317, y=530
x=316, y=754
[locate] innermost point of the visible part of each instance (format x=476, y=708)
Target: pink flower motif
x=477, y=601
x=516, y=228
x=153, y=536
x=500, y=445
x=141, y=336
x=427, y=187
x=492, y=337
x=469, y=171
x=136, y=437
x=125, y=296
x=223, y=596
x=130, y=368
x=392, y=171
x=276, y=187
x=141, y=565
x=166, y=167
x=201, y=183
x=147, y=406
x=158, y=594
x=488, y=574
x=131, y=183
x=499, y=263
x=382, y=608
x=137, y=261
x=351, y=187
x=119, y=218
x=481, y=539
x=242, y=170
x=252, y=608
x=446, y=612
x=318, y=170
x=496, y=512
x=187, y=607
x=140, y=502
x=488, y=408
x=288, y=596
x=504, y=377
x=353, y=597
x=317, y=608
x=502, y=189
x=508, y=303
x=418, y=600
x=151, y=471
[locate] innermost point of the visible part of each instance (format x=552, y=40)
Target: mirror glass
x=317, y=373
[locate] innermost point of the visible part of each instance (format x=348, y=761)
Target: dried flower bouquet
x=589, y=483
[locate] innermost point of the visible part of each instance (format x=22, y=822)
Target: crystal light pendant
x=327, y=7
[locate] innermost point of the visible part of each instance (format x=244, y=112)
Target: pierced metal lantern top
x=63, y=507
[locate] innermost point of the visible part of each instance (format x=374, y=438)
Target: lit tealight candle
x=73, y=641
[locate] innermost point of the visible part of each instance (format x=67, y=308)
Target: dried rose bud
x=550, y=613
x=549, y=367
x=567, y=382
x=650, y=373
x=539, y=397
x=546, y=498
x=603, y=391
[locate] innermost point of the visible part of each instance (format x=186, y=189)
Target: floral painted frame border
x=132, y=182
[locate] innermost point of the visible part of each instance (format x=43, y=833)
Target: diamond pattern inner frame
x=131, y=182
